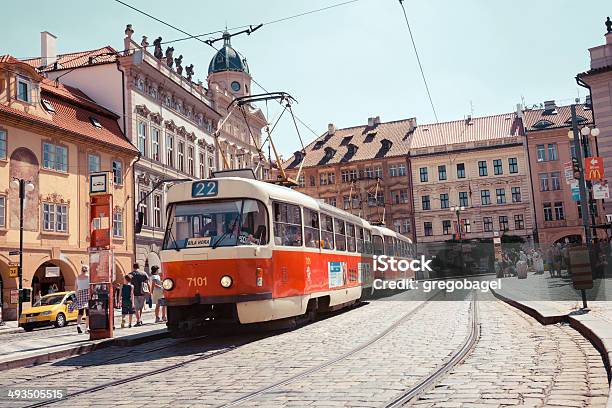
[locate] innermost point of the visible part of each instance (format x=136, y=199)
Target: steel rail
x=460, y=354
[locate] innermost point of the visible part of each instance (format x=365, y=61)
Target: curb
x=575, y=324
x=127, y=341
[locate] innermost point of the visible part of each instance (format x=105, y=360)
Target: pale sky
x=348, y=63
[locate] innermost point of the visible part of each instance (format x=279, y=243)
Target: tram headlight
x=226, y=281
x=168, y=284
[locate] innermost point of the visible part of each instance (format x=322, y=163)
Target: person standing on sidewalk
x=127, y=300
x=140, y=281
x=82, y=296
x=158, y=294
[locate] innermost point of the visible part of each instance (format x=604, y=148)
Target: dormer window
x=541, y=124
x=47, y=105
x=579, y=119
x=329, y=153
x=95, y=122
x=24, y=90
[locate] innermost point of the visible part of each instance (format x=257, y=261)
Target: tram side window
x=287, y=224
x=378, y=245
x=311, y=228
x=350, y=233
x=367, y=243
x=340, y=234
x=359, y=240
x=327, y=231
x=389, y=246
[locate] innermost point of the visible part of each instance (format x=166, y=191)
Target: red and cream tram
x=249, y=251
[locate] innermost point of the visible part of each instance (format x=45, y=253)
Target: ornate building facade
x=53, y=136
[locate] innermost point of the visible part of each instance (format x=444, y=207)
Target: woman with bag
x=158, y=294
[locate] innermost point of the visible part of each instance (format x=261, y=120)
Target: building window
x=117, y=172
x=466, y=225
x=353, y=175
x=155, y=143
x=93, y=163
x=393, y=170
x=313, y=181
x=425, y=203
x=552, y=151
x=488, y=224
x=55, y=217
x=331, y=178
x=332, y=201
x=190, y=161
x=157, y=210
x=2, y=211
x=444, y=200
x=323, y=179
x=202, y=161
x=144, y=207
x=544, y=182
x=485, y=197
x=345, y=176
x=555, y=180
x=516, y=194
x=55, y=157
x=170, y=150
x=399, y=196
x=442, y=173
x=356, y=201
x=405, y=226
x=401, y=169
x=482, y=168
x=548, y=214
x=378, y=172
x=513, y=165
x=346, y=202
x=461, y=170
x=497, y=167
x=301, y=182
x=24, y=88
x=117, y=224
x=503, y=223
x=559, y=213
x=142, y=138
x=446, y=227
x=541, y=153
x=428, y=229
x=423, y=174
x=371, y=200
x=2, y=144
x=369, y=173
x=181, y=156
x=463, y=199
x=501, y=195
x=519, y=222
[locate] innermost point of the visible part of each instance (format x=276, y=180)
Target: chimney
x=47, y=48
x=331, y=129
x=373, y=121
x=550, y=107
x=468, y=120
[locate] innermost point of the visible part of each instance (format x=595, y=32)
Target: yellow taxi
x=51, y=309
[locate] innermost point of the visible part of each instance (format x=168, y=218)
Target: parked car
x=50, y=309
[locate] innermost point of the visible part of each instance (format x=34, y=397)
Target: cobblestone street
x=515, y=361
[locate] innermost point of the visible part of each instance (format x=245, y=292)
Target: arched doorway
x=9, y=310
x=24, y=165
x=52, y=276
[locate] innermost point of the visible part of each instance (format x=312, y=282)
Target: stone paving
x=518, y=362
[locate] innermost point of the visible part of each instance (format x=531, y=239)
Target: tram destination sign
x=205, y=188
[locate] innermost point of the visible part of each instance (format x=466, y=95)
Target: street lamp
x=457, y=211
x=24, y=187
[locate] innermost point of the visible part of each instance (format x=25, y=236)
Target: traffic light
x=575, y=168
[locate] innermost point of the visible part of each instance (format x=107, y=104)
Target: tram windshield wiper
x=169, y=232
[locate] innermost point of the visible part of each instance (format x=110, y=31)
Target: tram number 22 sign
x=205, y=188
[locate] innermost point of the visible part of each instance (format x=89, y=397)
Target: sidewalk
x=19, y=349
x=554, y=300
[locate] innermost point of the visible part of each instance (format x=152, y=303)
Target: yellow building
x=53, y=136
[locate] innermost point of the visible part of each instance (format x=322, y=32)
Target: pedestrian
x=82, y=296
x=127, y=300
x=158, y=294
x=140, y=281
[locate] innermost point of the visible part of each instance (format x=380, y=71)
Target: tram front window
x=216, y=223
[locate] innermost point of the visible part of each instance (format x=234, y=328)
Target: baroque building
x=53, y=136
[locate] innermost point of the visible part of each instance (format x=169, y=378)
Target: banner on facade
x=593, y=168
x=568, y=170
x=52, y=272
x=575, y=190
x=601, y=191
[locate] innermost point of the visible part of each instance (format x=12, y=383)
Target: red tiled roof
x=366, y=140
x=559, y=120
x=8, y=59
x=465, y=131
x=102, y=55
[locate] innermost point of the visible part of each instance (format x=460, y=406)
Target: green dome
x=227, y=59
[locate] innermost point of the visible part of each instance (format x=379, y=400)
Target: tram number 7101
x=199, y=281
x=204, y=189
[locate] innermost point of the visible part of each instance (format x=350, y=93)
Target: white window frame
x=28, y=84
x=190, y=160
x=54, y=164
x=55, y=217
x=117, y=168
x=155, y=144
x=99, y=164
x=118, y=224
x=3, y=211
x=144, y=207
x=157, y=211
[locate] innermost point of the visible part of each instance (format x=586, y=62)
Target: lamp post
x=457, y=210
x=24, y=187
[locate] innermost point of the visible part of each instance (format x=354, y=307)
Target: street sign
x=14, y=252
x=593, y=168
x=13, y=271
x=580, y=267
x=568, y=170
x=601, y=191
x=575, y=191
